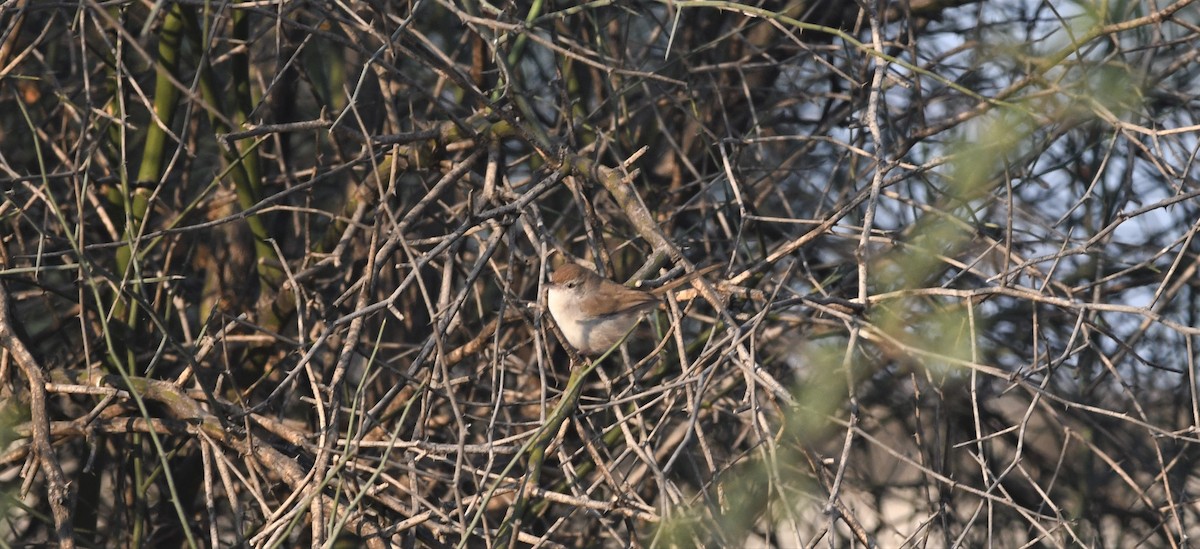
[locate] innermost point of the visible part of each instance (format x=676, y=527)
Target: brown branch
x=57, y=490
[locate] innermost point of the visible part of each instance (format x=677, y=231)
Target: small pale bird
x=594, y=313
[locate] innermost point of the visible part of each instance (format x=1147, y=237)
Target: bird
x=593, y=312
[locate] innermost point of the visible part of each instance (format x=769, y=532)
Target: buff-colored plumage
x=594, y=313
